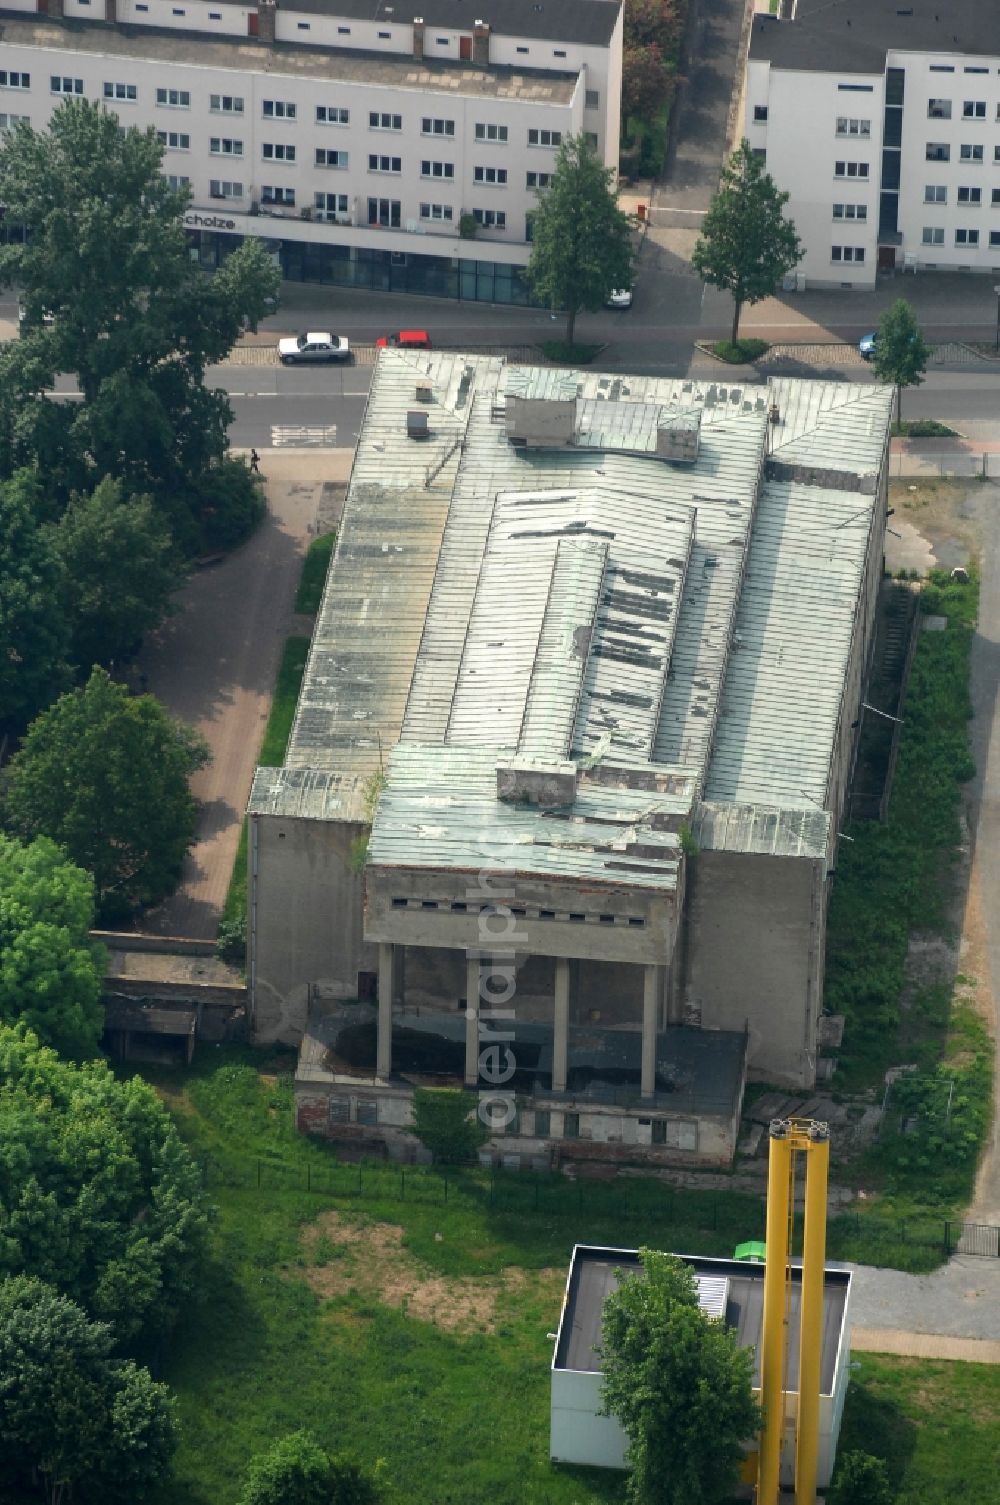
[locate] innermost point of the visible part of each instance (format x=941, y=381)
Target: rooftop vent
x=548, y=786
x=417, y=426
x=424, y=391
x=678, y=435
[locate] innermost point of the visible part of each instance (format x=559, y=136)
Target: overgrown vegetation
x=740, y=352
x=445, y=1122
x=564, y=353
x=314, y=569
x=923, y=428
x=653, y=30
x=232, y=937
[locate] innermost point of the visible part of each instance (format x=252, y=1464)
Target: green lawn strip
x=314, y=569
x=272, y=755
x=934, y=1422
x=893, y=880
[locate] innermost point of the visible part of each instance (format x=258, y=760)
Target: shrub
x=740, y=352
x=445, y=1122
x=567, y=354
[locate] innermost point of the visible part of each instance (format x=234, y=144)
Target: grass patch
x=739, y=352
x=934, y=1423
x=232, y=927
x=568, y=353
x=314, y=568
x=922, y=428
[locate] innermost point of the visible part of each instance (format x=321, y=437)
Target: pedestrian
x=255, y=462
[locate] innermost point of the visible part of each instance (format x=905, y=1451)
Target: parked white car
x=313, y=347
x=619, y=297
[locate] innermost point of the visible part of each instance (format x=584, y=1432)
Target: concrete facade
x=596, y=690
x=882, y=123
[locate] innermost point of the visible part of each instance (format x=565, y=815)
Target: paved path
x=213, y=665
x=952, y=1314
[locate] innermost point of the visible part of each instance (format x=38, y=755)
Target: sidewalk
x=953, y=1313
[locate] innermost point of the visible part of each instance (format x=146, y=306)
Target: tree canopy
x=90, y=1426
x=581, y=247
x=34, y=638
x=119, y=570
x=746, y=244
x=98, y=1196
x=901, y=354
x=680, y=1386
x=105, y=774
x=445, y=1122
x=133, y=318
x=295, y=1470
x=50, y=971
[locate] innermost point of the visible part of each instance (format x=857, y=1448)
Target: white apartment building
x=882, y=122
x=369, y=145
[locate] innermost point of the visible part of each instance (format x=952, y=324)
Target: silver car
x=313, y=347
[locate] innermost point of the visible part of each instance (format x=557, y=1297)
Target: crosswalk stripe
x=296, y=435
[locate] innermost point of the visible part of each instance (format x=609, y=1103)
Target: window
x=942, y=68
x=304, y=25
x=141, y=7
x=277, y=152
x=996, y=154
x=571, y=1125
x=432, y=126
x=385, y=36
x=437, y=169
x=974, y=109
x=933, y=235
x=558, y=52
x=537, y=179
x=591, y=139
x=966, y=237
x=442, y=41
x=935, y=193
x=490, y=132
x=851, y=170
x=343, y=31
x=174, y=141
x=66, y=85
x=970, y=68
x=970, y=153
x=378, y=121
x=847, y=253
x=543, y=1123
x=939, y=109
x=385, y=212
x=177, y=180
x=174, y=99
x=215, y=15
x=328, y=204
x=970, y=195
x=10, y=80
x=279, y=109
x=849, y=126
x=760, y=114
x=226, y=104
x=995, y=198
x=850, y=211
x=332, y=115
x=436, y=211
x=995, y=237
x=225, y=146
x=327, y=158
x=490, y=218
x=220, y=189
x=856, y=88
x=178, y=12
x=544, y=138
x=495, y=175
x=121, y=91
x=938, y=151
x=277, y=195
x=384, y=164
x=522, y=49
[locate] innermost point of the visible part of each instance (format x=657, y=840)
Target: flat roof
x=292, y=59
x=854, y=36
x=596, y=1271
x=589, y=22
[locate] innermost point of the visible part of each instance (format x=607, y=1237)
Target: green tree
x=98, y=1196
x=746, y=244
x=295, y=1470
x=119, y=572
x=644, y=80
x=901, y=354
x=71, y=1415
x=105, y=774
x=445, y=1122
x=861, y=1479
x=680, y=1386
x=134, y=319
x=50, y=971
x=656, y=22
x=33, y=629
x=582, y=246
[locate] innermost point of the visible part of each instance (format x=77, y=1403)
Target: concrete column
x=650, y=1002
x=560, y=1025
x=399, y=977
x=386, y=971
x=471, y=1019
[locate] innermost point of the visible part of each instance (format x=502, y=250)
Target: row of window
x=937, y=193
x=387, y=213
x=847, y=253
x=940, y=151
x=972, y=109
x=933, y=235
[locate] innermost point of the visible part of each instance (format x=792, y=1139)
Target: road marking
x=297, y=435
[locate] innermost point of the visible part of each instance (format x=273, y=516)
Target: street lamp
x=996, y=289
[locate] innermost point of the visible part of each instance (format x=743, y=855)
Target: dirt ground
x=370, y=1259
x=944, y=524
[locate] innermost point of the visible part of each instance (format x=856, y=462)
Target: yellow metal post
x=772, y=1348
x=817, y=1148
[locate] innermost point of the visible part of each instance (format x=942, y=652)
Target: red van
x=405, y=339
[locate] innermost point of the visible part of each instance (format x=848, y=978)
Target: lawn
x=935, y=1424
x=314, y=568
